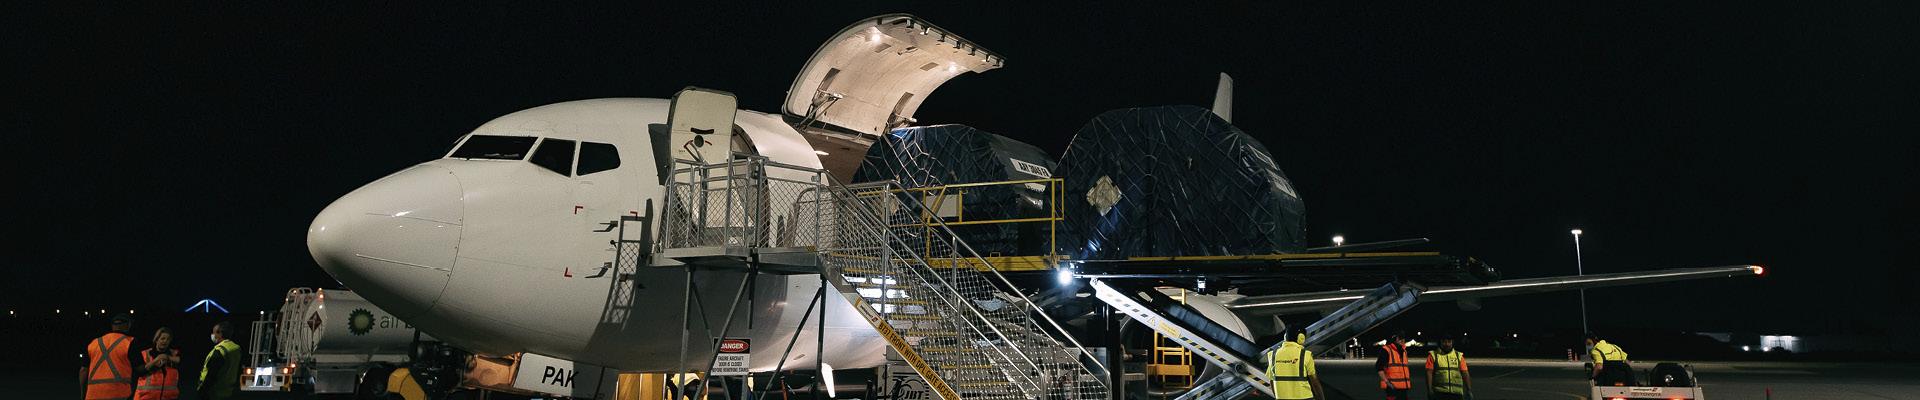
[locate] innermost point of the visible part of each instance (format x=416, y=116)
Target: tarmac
x=1494, y=379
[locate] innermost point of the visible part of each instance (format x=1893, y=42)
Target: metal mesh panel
x=626, y=263
x=748, y=201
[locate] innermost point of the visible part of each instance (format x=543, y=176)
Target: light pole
x=1580, y=268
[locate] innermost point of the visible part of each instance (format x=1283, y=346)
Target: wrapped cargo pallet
x=1174, y=181
x=929, y=156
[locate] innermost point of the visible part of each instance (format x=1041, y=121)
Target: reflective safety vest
x=1604, y=352
x=221, y=384
x=1289, y=367
x=1449, y=371
x=109, y=373
x=160, y=384
x=1397, y=376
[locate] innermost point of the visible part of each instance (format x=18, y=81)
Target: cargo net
x=1174, y=181
x=747, y=201
x=936, y=294
x=940, y=155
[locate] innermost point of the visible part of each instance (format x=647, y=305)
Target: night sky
x=165, y=154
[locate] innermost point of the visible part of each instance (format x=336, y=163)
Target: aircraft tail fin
x=1223, y=98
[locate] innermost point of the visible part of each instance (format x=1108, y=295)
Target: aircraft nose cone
x=393, y=240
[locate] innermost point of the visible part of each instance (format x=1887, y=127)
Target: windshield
x=494, y=147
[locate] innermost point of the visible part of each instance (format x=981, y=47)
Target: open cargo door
x=869, y=78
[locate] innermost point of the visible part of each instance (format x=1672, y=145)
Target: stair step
x=871, y=285
x=928, y=333
x=940, y=349
x=915, y=317
x=966, y=366
x=985, y=384
x=864, y=271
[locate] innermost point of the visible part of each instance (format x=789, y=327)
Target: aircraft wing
x=1324, y=301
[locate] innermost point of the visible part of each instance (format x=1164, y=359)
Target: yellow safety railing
x=1171, y=364
x=940, y=199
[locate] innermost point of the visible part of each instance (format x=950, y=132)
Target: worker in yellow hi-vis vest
x=1291, y=369
x=1610, y=366
x=1447, y=377
x=220, y=375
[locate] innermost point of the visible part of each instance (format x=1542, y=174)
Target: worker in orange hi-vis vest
x=1395, y=379
x=108, y=374
x=162, y=381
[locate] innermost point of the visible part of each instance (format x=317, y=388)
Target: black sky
x=171, y=153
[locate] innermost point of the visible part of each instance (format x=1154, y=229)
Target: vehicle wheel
x=373, y=383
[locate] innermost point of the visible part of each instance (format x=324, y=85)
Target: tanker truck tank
x=321, y=340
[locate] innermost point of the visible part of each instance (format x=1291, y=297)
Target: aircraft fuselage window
x=555, y=155
x=494, y=147
x=597, y=157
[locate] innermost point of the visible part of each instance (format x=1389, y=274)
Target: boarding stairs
x=956, y=321
x=1241, y=364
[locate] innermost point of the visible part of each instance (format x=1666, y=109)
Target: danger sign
x=734, y=356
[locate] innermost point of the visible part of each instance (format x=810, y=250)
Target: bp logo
x=359, y=322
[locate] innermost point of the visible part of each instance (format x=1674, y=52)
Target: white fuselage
x=496, y=254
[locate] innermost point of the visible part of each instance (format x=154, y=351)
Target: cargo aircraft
x=500, y=246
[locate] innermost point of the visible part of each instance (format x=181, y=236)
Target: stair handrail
x=1003, y=279
x=882, y=230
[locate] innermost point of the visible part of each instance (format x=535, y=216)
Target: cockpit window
x=494, y=147
x=555, y=155
x=597, y=157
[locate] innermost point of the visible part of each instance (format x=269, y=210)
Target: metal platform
x=772, y=260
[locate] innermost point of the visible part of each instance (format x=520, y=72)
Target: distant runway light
x=1339, y=240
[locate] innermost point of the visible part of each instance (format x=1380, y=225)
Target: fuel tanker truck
x=321, y=341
